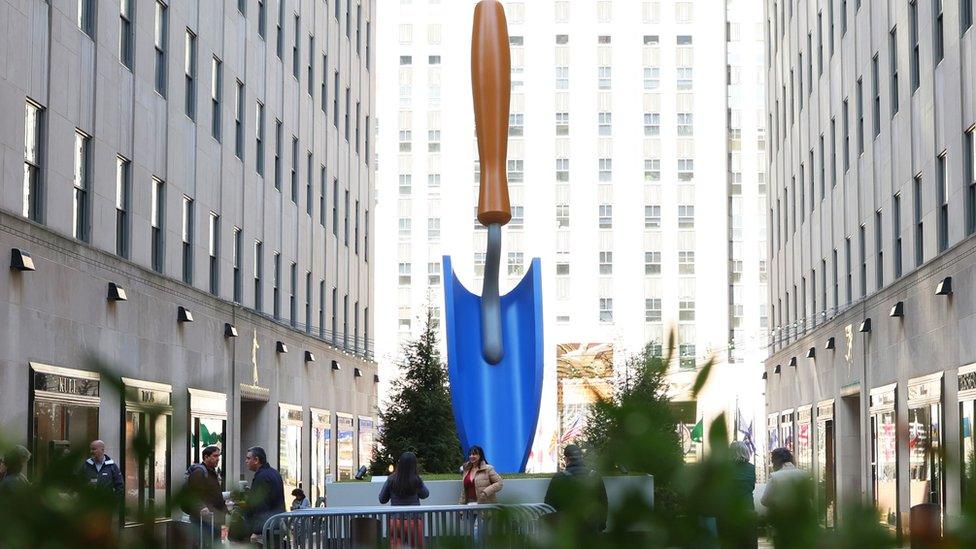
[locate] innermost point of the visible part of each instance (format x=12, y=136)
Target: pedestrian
x=787, y=497
x=404, y=486
x=578, y=492
x=301, y=500
x=102, y=472
x=11, y=467
x=479, y=481
x=738, y=528
x=204, y=496
x=266, y=497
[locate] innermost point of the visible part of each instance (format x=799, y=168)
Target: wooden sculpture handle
x=491, y=76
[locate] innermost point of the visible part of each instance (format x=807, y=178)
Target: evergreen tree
x=419, y=417
x=635, y=430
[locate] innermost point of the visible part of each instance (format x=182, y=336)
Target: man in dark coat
x=102, y=472
x=204, y=499
x=578, y=491
x=267, y=494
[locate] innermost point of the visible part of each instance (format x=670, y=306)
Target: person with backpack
x=204, y=500
x=578, y=491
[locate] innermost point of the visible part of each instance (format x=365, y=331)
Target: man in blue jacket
x=267, y=495
x=101, y=471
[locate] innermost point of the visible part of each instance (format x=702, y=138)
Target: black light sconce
x=184, y=315
x=793, y=362
x=830, y=344
x=356, y=372
x=865, y=326
x=230, y=330
x=897, y=310
x=21, y=260
x=376, y=378
x=335, y=366
x=764, y=376
x=944, y=287
x=309, y=357
x=777, y=369
x=812, y=352
x=281, y=347
x=116, y=292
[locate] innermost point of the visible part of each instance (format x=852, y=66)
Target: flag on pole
x=575, y=430
x=746, y=430
x=696, y=433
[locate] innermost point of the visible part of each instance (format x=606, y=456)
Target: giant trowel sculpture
x=494, y=343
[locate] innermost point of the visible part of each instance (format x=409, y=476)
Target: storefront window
x=290, y=446
x=366, y=433
x=64, y=412
x=786, y=430
x=925, y=442
x=884, y=457
x=321, y=456
x=804, y=457
x=826, y=467
x=772, y=432
x=148, y=417
x=208, y=426
x=345, y=437
x=967, y=436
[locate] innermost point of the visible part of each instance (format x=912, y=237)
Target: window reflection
x=804, y=451
x=826, y=471
x=147, y=417
x=290, y=447
x=884, y=462
x=321, y=457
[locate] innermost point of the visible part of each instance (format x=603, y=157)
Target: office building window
x=292, y=299
x=686, y=169
x=606, y=309
x=335, y=97
x=238, y=266
x=516, y=263
x=652, y=123
x=32, y=162
x=259, y=138
x=562, y=78
x=216, y=96
x=126, y=29
x=847, y=136
x=606, y=263
x=685, y=77
x=562, y=170
x=433, y=229
x=310, y=80
x=308, y=302
x=896, y=233
x=434, y=137
x=213, y=252
x=516, y=171
x=942, y=187
x=345, y=221
x=652, y=217
x=562, y=215
x=914, y=41
x=970, y=177
x=652, y=310
x=965, y=16
x=322, y=308
x=295, y=53
x=562, y=123
x=324, y=86
x=335, y=313
x=258, y=275
x=82, y=184
x=86, y=17
x=686, y=262
x=335, y=206
x=850, y=275
x=123, y=194
x=347, y=116
x=879, y=261
x=860, y=116
x=686, y=310
x=686, y=216
x=277, y=155
x=190, y=71
x=605, y=216
x=686, y=121
x=893, y=63
x=262, y=19
x=919, y=242
x=239, y=121
x=605, y=170
x=652, y=263
x=652, y=78
x=308, y=182
x=652, y=170
x=603, y=77
x=280, y=36
x=862, y=244
x=160, y=42
x=876, y=93
x=939, y=31
x=187, y=238
x=605, y=123
x=294, y=169
x=156, y=224
x=276, y=286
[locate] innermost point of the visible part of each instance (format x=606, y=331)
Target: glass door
x=321, y=456
x=925, y=460
x=826, y=466
x=884, y=455
x=290, y=447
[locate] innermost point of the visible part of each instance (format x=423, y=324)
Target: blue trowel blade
x=496, y=406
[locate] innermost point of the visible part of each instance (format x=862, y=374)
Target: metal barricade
x=406, y=526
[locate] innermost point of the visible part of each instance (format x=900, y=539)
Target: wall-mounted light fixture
x=335, y=366
x=309, y=356
x=865, y=326
x=230, y=330
x=21, y=260
x=944, y=287
x=376, y=378
x=793, y=362
x=281, y=347
x=356, y=372
x=777, y=369
x=116, y=292
x=830, y=344
x=897, y=310
x=183, y=315
x=764, y=376
x=812, y=352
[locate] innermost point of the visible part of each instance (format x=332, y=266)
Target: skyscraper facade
x=623, y=180
x=871, y=215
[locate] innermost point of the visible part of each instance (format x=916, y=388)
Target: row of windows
x=81, y=215
x=650, y=10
